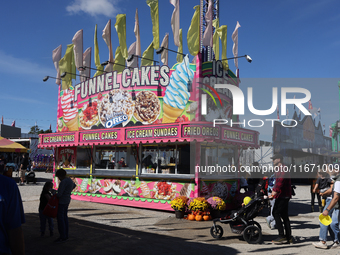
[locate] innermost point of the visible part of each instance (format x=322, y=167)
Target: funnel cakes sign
x=151, y=95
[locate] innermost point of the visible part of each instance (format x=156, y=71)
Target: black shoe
x=42, y=234
x=60, y=240
x=280, y=240
x=51, y=233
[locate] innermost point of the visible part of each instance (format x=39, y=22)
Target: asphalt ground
x=106, y=229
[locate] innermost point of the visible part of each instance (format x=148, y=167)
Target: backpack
x=262, y=187
x=51, y=209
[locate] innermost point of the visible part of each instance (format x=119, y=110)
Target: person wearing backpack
x=282, y=192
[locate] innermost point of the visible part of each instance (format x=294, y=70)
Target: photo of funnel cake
x=70, y=110
x=147, y=107
x=177, y=93
x=116, y=103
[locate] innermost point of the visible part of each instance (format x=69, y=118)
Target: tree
x=36, y=130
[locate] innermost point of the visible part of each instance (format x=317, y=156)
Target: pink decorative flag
x=330, y=131
x=234, y=37
x=56, y=56
x=208, y=33
x=175, y=21
x=278, y=112
x=107, y=38
x=2, y=119
x=13, y=123
x=78, y=49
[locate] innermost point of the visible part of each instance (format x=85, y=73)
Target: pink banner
x=62, y=139
x=170, y=131
x=241, y=136
x=202, y=131
x=101, y=136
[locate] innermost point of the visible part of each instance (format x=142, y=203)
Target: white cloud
x=10, y=64
x=94, y=8
x=22, y=99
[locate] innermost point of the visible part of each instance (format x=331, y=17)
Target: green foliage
x=36, y=130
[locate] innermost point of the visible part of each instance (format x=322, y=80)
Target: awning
x=9, y=146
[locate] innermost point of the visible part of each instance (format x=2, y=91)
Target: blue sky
x=286, y=39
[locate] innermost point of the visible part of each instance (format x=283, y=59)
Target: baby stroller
x=30, y=176
x=242, y=221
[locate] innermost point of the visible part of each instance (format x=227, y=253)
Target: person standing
x=11, y=218
x=323, y=183
x=121, y=162
x=2, y=164
x=23, y=168
x=270, y=219
x=45, y=195
x=315, y=192
x=282, y=192
x=65, y=188
x=332, y=209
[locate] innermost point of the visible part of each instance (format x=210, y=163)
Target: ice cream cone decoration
x=205, y=188
x=177, y=93
x=70, y=110
x=170, y=114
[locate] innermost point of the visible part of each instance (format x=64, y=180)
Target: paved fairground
x=109, y=229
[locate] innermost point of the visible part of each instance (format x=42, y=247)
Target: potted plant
x=198, y=204
x=216, y=205
x=179, y=204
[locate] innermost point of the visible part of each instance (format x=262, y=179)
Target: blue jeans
x=43, y=219
x=62, y=221
x=334, y=227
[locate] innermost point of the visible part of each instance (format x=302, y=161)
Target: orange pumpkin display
x=191, y=217
x=206, y=217
x=199, y=217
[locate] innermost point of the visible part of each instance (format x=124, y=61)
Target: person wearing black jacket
x=45, y=195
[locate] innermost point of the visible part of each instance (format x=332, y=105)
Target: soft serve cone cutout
x=70, y=110
x=177, y=93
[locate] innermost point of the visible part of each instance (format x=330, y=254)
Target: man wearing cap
x=282, y=192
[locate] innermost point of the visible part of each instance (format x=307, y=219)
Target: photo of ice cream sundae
x=70, y=110
x=177, y=93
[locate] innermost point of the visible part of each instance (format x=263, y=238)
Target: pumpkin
x=199, y=217
x=206, y=217
x=191, y=217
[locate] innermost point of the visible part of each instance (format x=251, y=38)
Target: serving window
x=220, y=158
x=115, y=158
x=84, y=157
x=165, y=159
